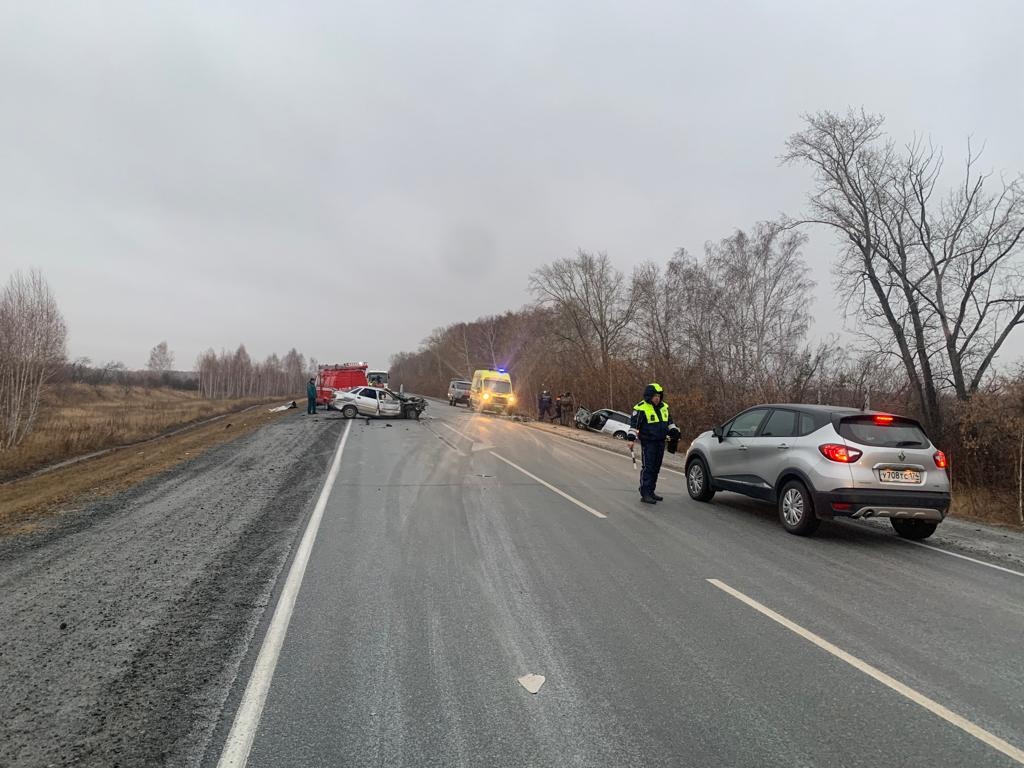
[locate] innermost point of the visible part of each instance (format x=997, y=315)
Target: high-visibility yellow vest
x=652, y=414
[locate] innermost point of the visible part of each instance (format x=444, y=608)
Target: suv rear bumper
x=866, y=502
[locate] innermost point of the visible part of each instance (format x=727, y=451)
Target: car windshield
x=866, y=431
x=460, y=385
x=498, y=387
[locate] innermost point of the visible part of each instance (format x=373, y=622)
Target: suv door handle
x=781, y=446
x=741, y=447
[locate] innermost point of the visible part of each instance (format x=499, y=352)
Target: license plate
x=899, y=475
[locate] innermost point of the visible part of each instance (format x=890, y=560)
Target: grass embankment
x=77, y=419
x=25, y=501
x=987, y=506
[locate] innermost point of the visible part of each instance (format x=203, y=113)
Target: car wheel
x=796, y=509
x=698, y=481
x=915, y=530
x=349, y=411
x=620, y=435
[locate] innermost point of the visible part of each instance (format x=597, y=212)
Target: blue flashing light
x=501, y=370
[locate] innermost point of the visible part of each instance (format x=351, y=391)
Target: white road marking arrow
x=532, y=682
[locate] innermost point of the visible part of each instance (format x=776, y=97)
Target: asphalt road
x=448, y=565
x=123, y=622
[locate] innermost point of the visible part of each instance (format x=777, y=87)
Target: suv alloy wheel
x=796, y=510
x=698, y=482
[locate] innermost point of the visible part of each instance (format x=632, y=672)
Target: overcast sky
x=343, y=177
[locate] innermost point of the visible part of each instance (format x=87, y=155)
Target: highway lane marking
x=247, y=719
x=457, y=432
x=918, y=698
x=601, y=448
x=477, y=444
x=963, y=557
x=550, y=487
x=905, y=541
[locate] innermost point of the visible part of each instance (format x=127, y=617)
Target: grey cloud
x=305, y=174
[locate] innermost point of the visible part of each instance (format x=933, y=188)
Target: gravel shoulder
x=125, y=620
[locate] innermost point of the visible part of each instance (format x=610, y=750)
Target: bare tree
x=938, y=277
x=592, y=303
x=662, y=305
x=161, y=359
x=33, y=340
x=745, y=311
x=160, y=365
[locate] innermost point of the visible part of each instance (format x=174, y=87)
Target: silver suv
x=458, y=392
x=819, y=462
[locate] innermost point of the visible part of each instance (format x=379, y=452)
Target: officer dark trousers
x=651, y=454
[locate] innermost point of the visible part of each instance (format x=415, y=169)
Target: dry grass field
x=27, y=502
x=79, y=418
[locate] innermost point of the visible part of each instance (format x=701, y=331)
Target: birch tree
x=33, y=339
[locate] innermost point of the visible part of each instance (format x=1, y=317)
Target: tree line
x=719, y=332
x=33, y=355
x=236, y=375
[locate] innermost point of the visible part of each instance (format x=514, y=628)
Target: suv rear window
x=901, y=433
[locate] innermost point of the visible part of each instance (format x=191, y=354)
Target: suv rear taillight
x=839, y=453
x=940, y=460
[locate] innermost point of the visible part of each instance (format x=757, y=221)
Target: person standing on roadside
x=652, y=425
x=544, y=406
x=568, y=411
x=311, y=397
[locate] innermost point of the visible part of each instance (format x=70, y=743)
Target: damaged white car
x=376, y=401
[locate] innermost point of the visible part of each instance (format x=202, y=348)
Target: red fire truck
x=340, y=376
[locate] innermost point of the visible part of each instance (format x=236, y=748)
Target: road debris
x=284, y=407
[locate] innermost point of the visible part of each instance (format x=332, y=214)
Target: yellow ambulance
x=491, y=390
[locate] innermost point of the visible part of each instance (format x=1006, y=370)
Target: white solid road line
x=550, y=487
x=247, y=719
x=964, y=557
x=1014, y=753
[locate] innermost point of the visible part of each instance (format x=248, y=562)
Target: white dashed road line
x=550, y=487
x=1014, y=753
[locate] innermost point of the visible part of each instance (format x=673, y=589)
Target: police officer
x=544, y=406
x=311, y=397
x=652, y=424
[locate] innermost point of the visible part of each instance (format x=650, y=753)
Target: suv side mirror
x=717, y=432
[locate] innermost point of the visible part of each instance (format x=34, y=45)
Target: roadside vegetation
x=76, y=419
x=52, y=409
x=26, y=502
x=929, y=275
